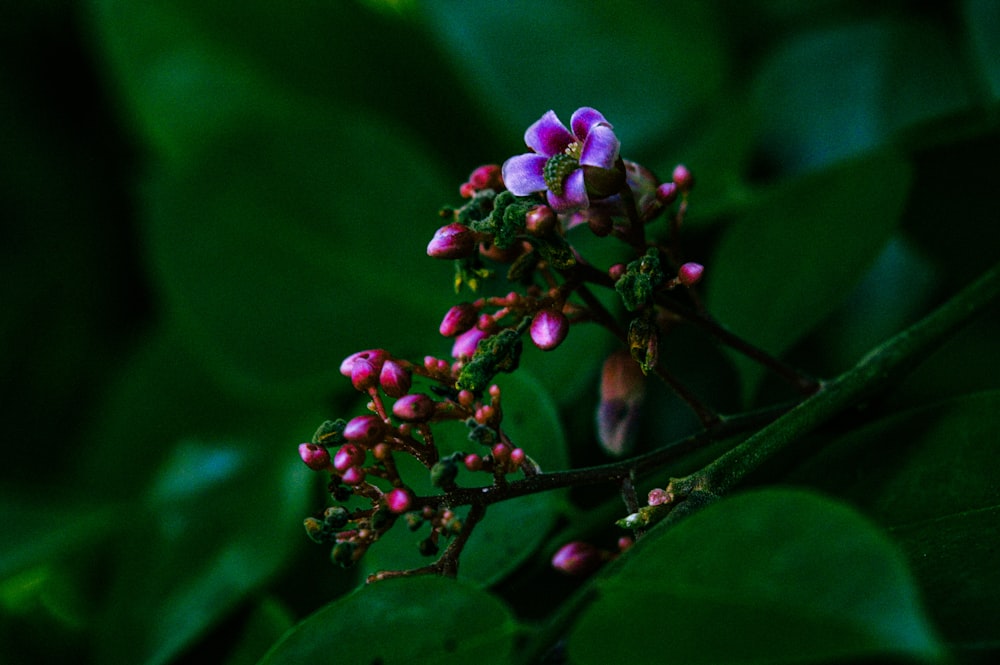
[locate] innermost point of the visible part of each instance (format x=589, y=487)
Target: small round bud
x=466, y=343
x=667, y=193
x=375, y=356
x=501, y=452
x=453, y=241
x=467, y=190
x=316, y=457
x=458, y=319
x=398, y=500
x=336, y=517
x=616, y=271
x=364, y=375
x=683, y=178
x=364, y=430
x=540, y=221
x=355, y=475
x=577, y=558
x=658, y=497
x=549, y=328
x=381, y=451
x=395, y=378
x=517, y=457
x=314, y=529
x=473, y=462
x=349, y=455
x=690, y=274
x=486, y=177
x=416, y=408
x=624, y=543
x=343, y=554
x=443, y=473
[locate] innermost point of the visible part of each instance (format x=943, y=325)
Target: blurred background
x=206, y=206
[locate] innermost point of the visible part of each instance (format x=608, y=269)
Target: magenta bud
x=616, y=271
x=458, y=319
x=353, y=476
x=486, y=177
x=548, y=329
x=683, y=178
x=577, y=558
x=658, y=497
x=690, y=273
x=623, y=390
x=415, y=408
x=453, y=241
x=540, y=221
x=466, y=343
x=517, y=456
x=666, y=193
x=349, y=455
x=364, y=375
x=364, y=430
x=473, y=462
x=316, y=457
x=398, y=500
x=395, y=379
x=375, y=356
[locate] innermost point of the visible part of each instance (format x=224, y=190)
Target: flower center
x=558, y=167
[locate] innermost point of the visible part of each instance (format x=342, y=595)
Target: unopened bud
x=577, y=558
x=398, y=500
x=683, y=178
x=316, y=457
x=343, y=554
x=395, y=379
x=349, y=455
x=458, y=319
x=443, y=473
x=415, y=408
x=364, y=374
x=690, y=274
x=549, y=328
x=375, y=356
x=355, y=475
x=540, y=221
x=466, y=343
x=314, y=529
x=453, y=241
x=666, y=193
x=364, y=430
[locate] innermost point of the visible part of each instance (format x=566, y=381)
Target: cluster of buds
x=519, y=214
x=360, y=454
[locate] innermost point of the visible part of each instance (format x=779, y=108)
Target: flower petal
x=600, y=148
x=574, y=196
x=584, y=119
x=548, y=135
x=522, y=174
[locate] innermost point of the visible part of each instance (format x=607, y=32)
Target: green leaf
x=982, y=21
x=409, y=620
x=836, y=93
x=574, y=53
x=785, y=265
x=512, y=531
x=928, y=474
x=219, y=520
x=775, y=576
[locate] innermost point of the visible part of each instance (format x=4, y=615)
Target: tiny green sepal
x=640, y=280
x=330, y=433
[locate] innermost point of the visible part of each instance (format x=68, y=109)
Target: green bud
x=380, y=518
x=315, y=530
x=497, y=353
x=482, y=434
x=443, y=473
x=414, y=521
x=427, y=547
x=330, y=433
x=343, y=554
x=641, y=278
x=644, y=342
x=336, y=517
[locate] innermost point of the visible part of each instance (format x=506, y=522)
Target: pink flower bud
x=577, y=558
x=353, y=476
x=398, y=500
x=363, y=374
x=548, y=329
x=486, y=177
x=316, y=457
x=453, y=241
x=466, y=343
x=415, y=408
x=690, y=273
x=540, y=221
x=473, y=462
x=658, y=497
x=501, y=452
x=375, y=356
x=616, y=271
x=395, y=379
x=364, y=430
x=683, y=178
x=458, y=319
x=623, y=389
x=517, y=457
x=349, y=455
x=666, y=193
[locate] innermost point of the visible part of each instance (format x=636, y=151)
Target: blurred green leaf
x=644, y=65
x=502, y=541
x=834, y=93
x=786, y=264
x=928, y=474
x=773, y=576
x=982, y=21
x=219, y=520
x=409, y=620
x=266, y=624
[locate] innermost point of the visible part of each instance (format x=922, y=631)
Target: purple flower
x=567, y=165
